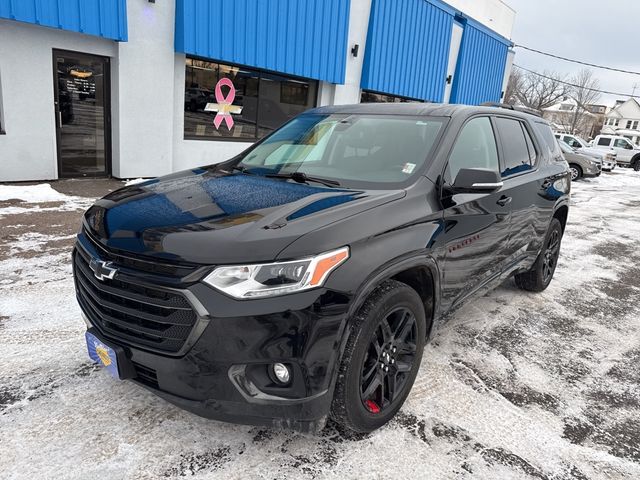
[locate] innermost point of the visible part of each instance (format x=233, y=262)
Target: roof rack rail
x=508, y=106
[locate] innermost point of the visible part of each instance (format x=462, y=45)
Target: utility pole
x=635, y=87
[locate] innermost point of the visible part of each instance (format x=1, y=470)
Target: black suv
x=300, y=280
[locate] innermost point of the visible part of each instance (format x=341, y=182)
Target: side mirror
x=477, y=180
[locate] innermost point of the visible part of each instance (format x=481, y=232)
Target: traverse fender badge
x=102, y=270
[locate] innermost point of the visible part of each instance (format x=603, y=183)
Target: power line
x=630, y=72
x=574, y=85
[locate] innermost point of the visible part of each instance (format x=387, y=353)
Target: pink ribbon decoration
x=225, y=106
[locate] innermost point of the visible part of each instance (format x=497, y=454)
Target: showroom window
x=372, y=97
x=227, y=102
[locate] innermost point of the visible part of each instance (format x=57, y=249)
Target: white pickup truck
x=628, y=153
x=606, y=158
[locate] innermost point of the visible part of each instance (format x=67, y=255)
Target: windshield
x=361, y=151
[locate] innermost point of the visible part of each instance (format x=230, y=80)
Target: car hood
x=210, y=216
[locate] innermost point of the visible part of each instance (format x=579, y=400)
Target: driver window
x=620, y=143
x=474, y=148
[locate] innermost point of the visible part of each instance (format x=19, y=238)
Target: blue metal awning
x=481, y=65
x=407, y=49
x=295, y=37
x=102, y=18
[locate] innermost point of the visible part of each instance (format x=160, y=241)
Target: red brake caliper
x=372, y=406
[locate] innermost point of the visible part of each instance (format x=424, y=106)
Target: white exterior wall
x=493, y=14
x=143, y=117
x=28, y=151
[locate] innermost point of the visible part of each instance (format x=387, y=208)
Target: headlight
x=272, y=279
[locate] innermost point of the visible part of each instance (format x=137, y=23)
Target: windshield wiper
x=302, y=177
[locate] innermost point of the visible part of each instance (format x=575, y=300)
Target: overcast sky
x=596, y=31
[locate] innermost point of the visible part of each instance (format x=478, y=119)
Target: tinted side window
x=514, y=146
x=475, y=148
x=548, y=139
x=605, y=142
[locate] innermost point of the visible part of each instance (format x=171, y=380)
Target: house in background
x=568, y=117
x=624, y=120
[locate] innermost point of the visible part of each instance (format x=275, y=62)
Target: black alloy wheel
x=551, y=254
x=541, y=273
x=390, y=357
x=381, y=358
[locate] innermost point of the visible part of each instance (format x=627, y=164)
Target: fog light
x=281, y=372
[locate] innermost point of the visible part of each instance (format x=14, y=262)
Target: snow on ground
x=513, y=385
x=17, y=199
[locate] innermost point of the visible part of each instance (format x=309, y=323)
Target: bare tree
x=513, y=87
x=585, y=92
x=538, y=92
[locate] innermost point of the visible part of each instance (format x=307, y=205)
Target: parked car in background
x=300, y=279
x=580, y=165
x=195, y=99
x=607, y=158
x=628, y=154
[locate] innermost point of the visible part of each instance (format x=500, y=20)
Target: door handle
x=59, y=119
x=504, y=201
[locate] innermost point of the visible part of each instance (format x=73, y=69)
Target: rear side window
x=474, y=148
x=605, y=142
x=548, y=139
x=515, y=149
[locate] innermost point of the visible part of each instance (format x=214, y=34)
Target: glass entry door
x=82, y=101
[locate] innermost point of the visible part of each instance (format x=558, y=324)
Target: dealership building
x=141, y=88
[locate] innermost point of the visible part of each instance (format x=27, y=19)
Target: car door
x=624, y=149
x=476, y=232
x=518, y=160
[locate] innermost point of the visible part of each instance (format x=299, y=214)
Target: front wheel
x=576, y=172
x=636, y=166
x=381, y=359
x=539, y=277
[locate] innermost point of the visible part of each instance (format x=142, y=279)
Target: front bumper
x=593, y=170
x=223, y=373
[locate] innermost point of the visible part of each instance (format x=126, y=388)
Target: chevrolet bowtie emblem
x=102, y=270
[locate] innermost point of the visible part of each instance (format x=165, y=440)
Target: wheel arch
x=420, y=272
x=562, y=214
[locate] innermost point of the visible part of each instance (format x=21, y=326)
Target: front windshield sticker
x=225, y=106
x=408, y=168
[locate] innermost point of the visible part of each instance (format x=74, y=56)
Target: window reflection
x=258, y=103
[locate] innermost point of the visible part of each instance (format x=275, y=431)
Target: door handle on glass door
x=504, y=201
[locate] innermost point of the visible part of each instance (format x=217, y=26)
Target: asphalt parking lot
x=513, y=385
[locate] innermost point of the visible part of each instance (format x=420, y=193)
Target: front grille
x=127, y=260
x=132, y=313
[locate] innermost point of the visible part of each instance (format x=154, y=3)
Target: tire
x=363, y=365
x=539, y=277
x=576, y=172
x=636, y=166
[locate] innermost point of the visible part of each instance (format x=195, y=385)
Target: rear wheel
x=636, y=166
x=539, y=277
x=381, y=359
x=576, y=171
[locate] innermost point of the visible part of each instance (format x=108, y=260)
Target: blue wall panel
x=298, y=37
x=102, y=18
x=408, y=49
x=480, y=69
